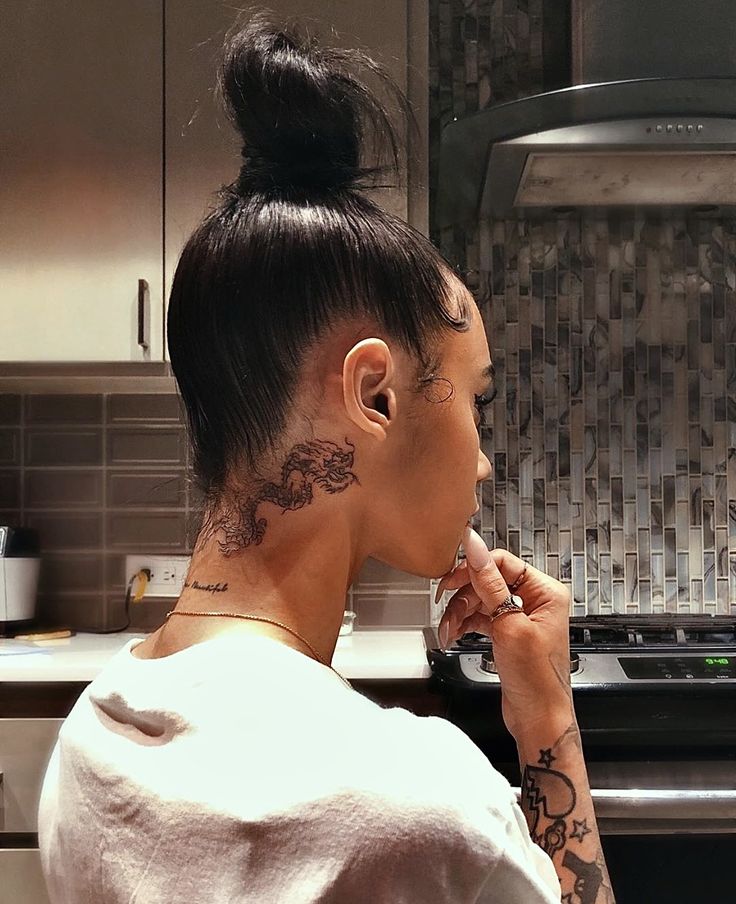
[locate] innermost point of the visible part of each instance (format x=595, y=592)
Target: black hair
x=293, y=248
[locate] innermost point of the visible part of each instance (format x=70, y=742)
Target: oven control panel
x=682, y=667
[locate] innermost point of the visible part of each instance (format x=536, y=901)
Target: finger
x=464, y=613
x=533, y=586
x=487, y=580
x=453, y=579
x=452, y=618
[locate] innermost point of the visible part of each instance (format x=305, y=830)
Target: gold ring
x=506, y=607
x=517, y=583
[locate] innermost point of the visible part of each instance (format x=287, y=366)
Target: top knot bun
x=300, y=112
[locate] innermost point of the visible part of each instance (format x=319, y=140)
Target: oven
x=25, y=749
x=655, y=699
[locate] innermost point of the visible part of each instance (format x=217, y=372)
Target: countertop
x=380, y=654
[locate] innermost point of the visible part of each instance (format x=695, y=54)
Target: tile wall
x=613, y=435
x=105, y=475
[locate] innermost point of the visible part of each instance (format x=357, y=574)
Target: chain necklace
x=271, y=621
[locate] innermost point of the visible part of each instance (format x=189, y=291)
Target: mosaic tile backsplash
x=613, y=435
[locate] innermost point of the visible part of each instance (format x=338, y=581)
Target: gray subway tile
x=140, y=490
x=9, y=447
x=10, y=489
x=63, y=409
x=71, y=572
x=10, y=405
x=146, y=531
x=79, y=611
x=63, y=447
x=11, y=517
x=63, y=488
x=126, y=408
x=67, y=530
x=146, y=446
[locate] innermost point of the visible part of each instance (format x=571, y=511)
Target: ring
x=517, y=583
x=506, y=607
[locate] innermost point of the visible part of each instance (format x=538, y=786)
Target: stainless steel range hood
x=654, y=143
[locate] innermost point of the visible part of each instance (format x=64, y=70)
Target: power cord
x=144, y=576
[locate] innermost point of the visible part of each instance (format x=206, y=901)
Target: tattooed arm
x=555, y=798
x=531, y=650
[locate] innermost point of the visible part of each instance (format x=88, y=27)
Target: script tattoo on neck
x=219, y=587
x=557, y=823
x=319, y=463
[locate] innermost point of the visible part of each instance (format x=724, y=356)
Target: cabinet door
x=81, y=135
x=22, y=877
x=202, y=148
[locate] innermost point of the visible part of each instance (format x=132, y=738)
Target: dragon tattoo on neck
x=319, y=463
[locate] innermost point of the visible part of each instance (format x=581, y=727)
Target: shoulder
x=441, y=744
x=428, y=765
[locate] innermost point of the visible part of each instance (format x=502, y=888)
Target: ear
x=367, y=379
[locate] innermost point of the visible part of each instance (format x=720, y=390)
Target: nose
x=484, y=467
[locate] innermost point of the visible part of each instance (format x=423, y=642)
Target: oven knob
x=488, y=665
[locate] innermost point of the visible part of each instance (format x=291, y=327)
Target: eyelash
x=481, y=402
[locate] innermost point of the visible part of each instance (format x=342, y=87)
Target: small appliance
x=19, y=569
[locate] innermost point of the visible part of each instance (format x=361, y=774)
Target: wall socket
x=167, y=573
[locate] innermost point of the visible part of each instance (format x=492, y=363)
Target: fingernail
x=443, y=632
x=476, y=551
x=439, y=591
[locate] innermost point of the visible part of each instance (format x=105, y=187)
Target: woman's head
x=317, y=341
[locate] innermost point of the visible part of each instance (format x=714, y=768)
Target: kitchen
x=612, y=434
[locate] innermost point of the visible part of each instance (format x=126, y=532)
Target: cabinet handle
x=142, y=314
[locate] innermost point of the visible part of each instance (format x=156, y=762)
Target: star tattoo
x=580, y=829
x=545, y=758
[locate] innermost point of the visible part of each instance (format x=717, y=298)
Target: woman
x=334, y=371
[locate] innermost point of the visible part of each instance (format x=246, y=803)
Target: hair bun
x=300, y=112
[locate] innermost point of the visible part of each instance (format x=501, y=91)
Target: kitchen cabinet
x=81, y=160
x=23, y=881
x=203, y=149
x=113, y=147
x=25, y=749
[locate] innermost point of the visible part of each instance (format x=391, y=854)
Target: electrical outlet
x=167, y=573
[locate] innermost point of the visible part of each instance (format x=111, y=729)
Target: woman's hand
x=531, y=648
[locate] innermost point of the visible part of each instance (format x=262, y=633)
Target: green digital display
x=717, y=660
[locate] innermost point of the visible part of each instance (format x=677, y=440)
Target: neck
x=298, y=575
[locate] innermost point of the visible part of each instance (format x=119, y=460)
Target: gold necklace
x=271, y=621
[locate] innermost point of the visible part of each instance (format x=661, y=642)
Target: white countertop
x=397, y=654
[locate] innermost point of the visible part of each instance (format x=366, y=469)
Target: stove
x=611, y=651
x=655, y=699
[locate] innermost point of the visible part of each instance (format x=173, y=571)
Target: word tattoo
x=219, y=587
x=320, y=463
